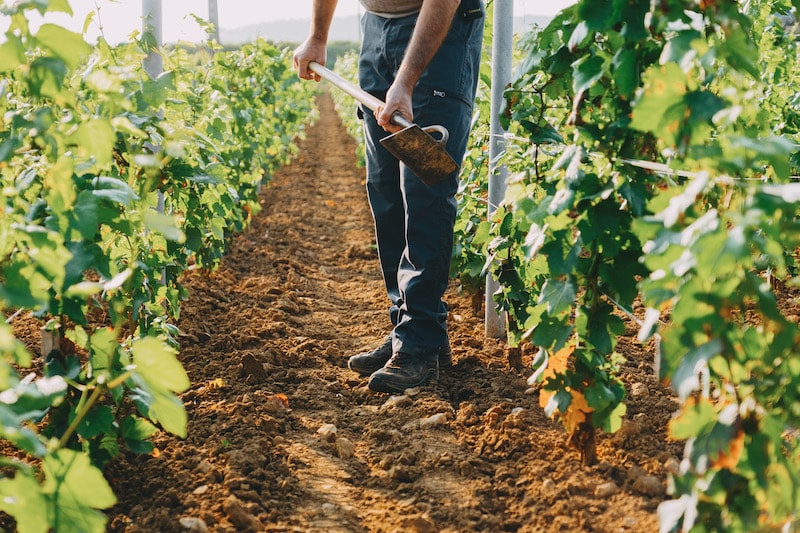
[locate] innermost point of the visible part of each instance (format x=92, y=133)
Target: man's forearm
x=321, y=18
x=315, y=46
x=431, y=29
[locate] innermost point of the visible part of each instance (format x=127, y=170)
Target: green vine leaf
x=159, y=375
x=587, y=72
x=95, y=140
x=76, y=489
x=11, y=350
x=166, y=225
x=660, y=107
x=12, y=54
x=64, y=44
x=22, y=498
x=596, y=13
x=685, y=378
x=558, y=296
x=625, y=73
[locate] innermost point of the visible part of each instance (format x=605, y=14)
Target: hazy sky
x=119, y=18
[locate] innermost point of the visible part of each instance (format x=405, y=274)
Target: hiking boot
x=403, y=372
x=366, y=363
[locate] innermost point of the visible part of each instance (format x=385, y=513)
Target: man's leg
x=383, y=185
x=445, y=96
x=383, y=169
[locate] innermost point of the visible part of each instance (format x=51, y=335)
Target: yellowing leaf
x=577, y=412
x=556, y=364
x=731, y=459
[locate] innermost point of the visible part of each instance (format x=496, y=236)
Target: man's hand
x=398, y=100
x=310, y=50
x=314, y=48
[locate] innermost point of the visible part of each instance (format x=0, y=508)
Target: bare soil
x=283, y=437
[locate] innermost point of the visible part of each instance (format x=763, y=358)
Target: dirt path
x=265, y=342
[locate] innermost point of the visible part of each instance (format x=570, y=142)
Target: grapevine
x=113, y=184
x=590, y=231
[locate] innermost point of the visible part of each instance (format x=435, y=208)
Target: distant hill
x=342, y=29
x=294, y=31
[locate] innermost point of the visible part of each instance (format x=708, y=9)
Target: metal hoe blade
x=413, y=145
x=423, y=154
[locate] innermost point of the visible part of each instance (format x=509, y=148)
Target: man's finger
x=385, y=121
x=308, y=73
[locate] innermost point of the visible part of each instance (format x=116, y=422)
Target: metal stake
x=502, y=48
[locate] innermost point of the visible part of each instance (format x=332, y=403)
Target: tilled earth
x=283, y=437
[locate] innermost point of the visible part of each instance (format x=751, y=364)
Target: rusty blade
x=423, y=154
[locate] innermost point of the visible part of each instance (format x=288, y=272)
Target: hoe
x=412, y=145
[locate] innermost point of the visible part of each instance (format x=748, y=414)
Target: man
x=421, y=57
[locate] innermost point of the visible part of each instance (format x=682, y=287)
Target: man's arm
x=432, y=26
x=315, y=46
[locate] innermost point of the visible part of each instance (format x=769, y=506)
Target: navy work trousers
x=414, y=222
